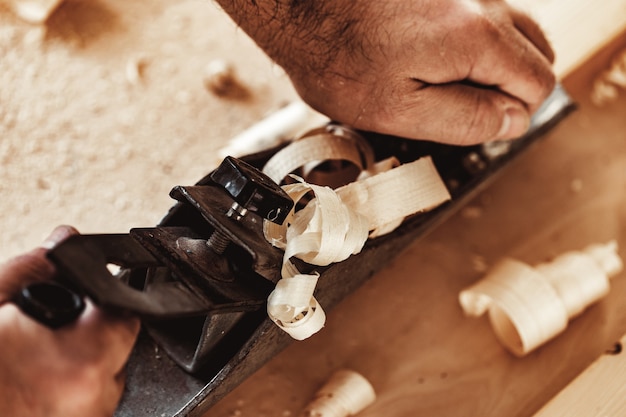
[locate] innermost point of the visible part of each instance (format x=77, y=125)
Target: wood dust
x=103, y=110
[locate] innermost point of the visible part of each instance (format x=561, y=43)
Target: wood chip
x=345, y=394
x=221, y=79
x=135, y=68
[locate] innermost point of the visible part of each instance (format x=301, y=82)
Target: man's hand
x=453, y=71
x=75, y=371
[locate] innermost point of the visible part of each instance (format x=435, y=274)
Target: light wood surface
x=599, y=391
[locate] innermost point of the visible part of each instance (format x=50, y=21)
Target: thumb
x=30, y=267
x=460, y=114
x=59, y=234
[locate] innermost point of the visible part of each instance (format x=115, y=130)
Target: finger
x=457, y=114
x=112, y=393
x=533, y=32
x=97, y=341
x=59, y=234
x=126, y=329
x=513, y=64
x=111, y=335
x=22, y=270
x=97, y=338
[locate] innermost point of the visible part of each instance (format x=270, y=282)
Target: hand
x=75, y=371
x=454, y=71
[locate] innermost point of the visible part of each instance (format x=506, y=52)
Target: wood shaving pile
x=336, y=223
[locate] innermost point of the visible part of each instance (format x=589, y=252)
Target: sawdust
x=103, y=110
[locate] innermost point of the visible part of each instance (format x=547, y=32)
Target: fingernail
x=58, y=234
x=515, y=123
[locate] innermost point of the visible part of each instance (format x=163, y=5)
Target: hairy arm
x=455, y=71
x=291, y=29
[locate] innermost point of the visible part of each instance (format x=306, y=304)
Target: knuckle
x=542, y=82
x=479, y=24
x=548, y=83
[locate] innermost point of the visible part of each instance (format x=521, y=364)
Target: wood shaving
x=135, y=68
x=528, y=306
x=336, y=223
x=316, y=147
x=346, y=393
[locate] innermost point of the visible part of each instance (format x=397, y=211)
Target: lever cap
x=252, y=189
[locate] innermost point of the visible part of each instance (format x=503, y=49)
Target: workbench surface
x=405, y=331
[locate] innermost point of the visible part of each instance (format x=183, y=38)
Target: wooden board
x=405, y=331
x=599, y=391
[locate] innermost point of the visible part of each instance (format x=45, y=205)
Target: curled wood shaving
x=335, y=224
x=607, y=85
x=345, y=394
x=318, y=146
x=325, y=231
x=293, y=307
x=528, y=306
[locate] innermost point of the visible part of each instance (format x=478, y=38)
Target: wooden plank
x=405, y=331
x=599, y=391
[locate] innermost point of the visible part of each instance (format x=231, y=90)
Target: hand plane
x=200, y=279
